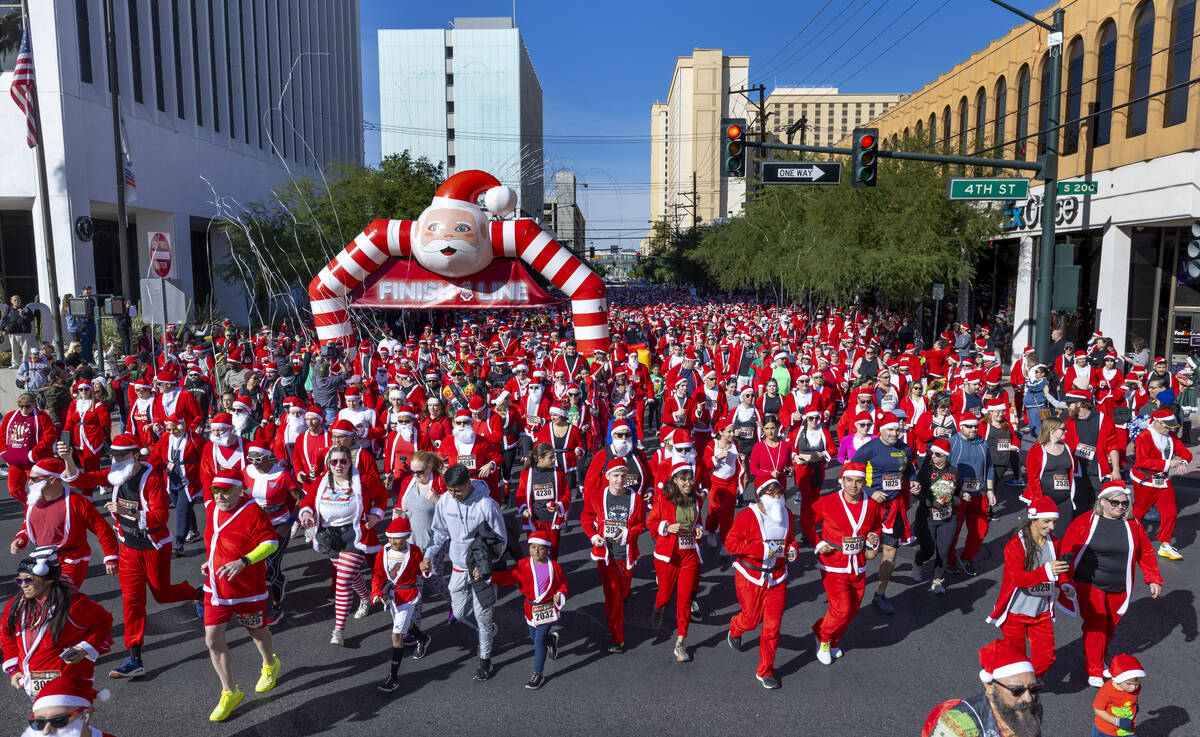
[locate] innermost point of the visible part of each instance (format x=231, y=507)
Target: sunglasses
x=23, y=581
x=621, y=435
x=59, y=722
x=1018, y=691
x=465, y=423
x=419, y=472
x=221, y=492
x=339, y=462
x=1115, y=503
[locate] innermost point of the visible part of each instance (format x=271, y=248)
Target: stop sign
x=160, y=254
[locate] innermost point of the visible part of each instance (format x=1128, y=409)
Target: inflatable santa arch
x=453, y=238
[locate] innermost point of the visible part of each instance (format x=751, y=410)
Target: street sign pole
x=1050, y=193
x=162, y=293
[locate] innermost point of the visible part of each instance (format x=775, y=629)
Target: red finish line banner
x=405, y=284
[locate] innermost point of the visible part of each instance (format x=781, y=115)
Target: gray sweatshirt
x=972, y=459
x=456, y=521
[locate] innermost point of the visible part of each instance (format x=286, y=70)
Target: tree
x=12, y=28
x=671, y=257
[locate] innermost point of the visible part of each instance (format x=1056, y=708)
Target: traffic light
x=733, y=147
x=865, y=157
x=1189, y=267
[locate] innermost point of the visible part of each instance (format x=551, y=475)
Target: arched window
x=1105, y=78
x=980, y=119
x=1074, y=95
x=1139, y=70
x=1022, y=111
x=920, y=129
x=1001, y=113
x=964, y=120
x=908, y=133
x=946, y=129
x=932, y=129
x=1044, y=99
x=1179, y=61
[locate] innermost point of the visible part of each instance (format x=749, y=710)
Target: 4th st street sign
x=801, y=172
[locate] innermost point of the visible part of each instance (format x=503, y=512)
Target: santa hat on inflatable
x=463, y=190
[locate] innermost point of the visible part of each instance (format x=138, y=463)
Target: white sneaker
x=364, y=606
x=1095, y=681
x=824, y=654
x=297, y=530
x=1169, y=552
x=336, y=638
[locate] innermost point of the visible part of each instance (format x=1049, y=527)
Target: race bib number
x=890, y=482
x=1042, y=589
x=1062, y=482
x=1157, y=482
x=940, y=514
x=543, y=492
x=1086, y=452
x=249, y=621
x=1004, y=446
x=853, y=545
x=38, y=679
x=468, y=461
x=972, y=486
x=745, y=433
x=775, y=548
x=687, y=541
x=613, y=529
x=544, y=613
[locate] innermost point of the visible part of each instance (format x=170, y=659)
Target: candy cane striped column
x=589, y=303
x=382, y=240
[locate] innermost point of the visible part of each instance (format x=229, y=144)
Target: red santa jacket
x=844, y=526
x=397, y=451
x=154, y=511
x=1141, y=552
x=674, y=547
x=686, y=409
x=89, y=429
x=275, y=491
x=796, y=404
x=542, y=602
x=227, y=537
x=1035, y=463
x=635, y=462
x=183, y=404
x=758, y=559
x=79, y=517
x=504, y=431
x=366, y=497
x=1016, y=577
x=395, y=575
x=308, y=456
x=220, y=458
x=1150, y=460
x=557, y=495
x=191, y=459
x=567, y=449
x=437, y=429
x=596, y=521
x=34, y=651
x=1106, y=441
x=23, y=451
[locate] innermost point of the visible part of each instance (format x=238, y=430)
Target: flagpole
x=110, y=37
x=44, y=195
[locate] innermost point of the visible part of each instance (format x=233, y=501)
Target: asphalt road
x=895, y=669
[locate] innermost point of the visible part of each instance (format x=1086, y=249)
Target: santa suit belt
x=761, y=569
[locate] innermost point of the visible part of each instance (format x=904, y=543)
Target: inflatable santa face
x=451, y=237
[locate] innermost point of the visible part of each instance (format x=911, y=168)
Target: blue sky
x=602, y=64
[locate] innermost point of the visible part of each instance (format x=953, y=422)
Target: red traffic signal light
x=734, y=131
x=866, y=141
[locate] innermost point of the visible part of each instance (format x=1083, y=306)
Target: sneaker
x=179, y=551
x=484, y=671
x=192, y=537
x=422, y=648
x=938, y=587
x=883, y=605
x=273, y=616
x=681, y=654
x=1014, y=482
x=769, y=682
x=229, y=701
x=616, y=648
x=131, y=668
x=918, y=572
x=199, y=606
x=837, y=652
x=824, y=655
x=1095, y=681
x=410, y=639
x=268, y=676
x=656, y=619
x=364, y=606
x=336, y=638
x=535, y=682
x=734, y=642
x=697, y=612
x=1167, y=551
x=953, y=569
x=388, y=686
x=968, y=567
x=552, y=646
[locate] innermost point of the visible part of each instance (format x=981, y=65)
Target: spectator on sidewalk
x=33, y=372
x=16, y=325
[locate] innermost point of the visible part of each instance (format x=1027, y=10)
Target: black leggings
x=274, y=562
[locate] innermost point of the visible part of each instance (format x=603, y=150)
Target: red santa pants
x=974, y=516
x=701, y=440
x=1098, y=610
x=1145, y=497
x=75, y=572
x=639, y=412
x=614, y=581
x=845, y=594
x=138, y=569
x=18, y=476
x=544, y=529
x=808, y=485
x=722, y=502
x=760, y=603
x=680, y=580
x=1039, y=631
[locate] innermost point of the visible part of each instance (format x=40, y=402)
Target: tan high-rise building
x=685, y=168
x=829, y=116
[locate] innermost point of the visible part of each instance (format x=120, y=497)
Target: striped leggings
x=348, y=580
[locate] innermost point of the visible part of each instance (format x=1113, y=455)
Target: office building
x=562, y=216
x=821, y=116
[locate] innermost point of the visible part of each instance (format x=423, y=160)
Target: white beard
x=295, y=426
x=535, y=393
x=83, y=406
x=464, y=435
x=240, y=420
x=688, y=457
x=621, y=447
x=225, y=441
x=406, y=431
x=465, y=260
x=33, y=491
x=74, y=729
x=122, y=471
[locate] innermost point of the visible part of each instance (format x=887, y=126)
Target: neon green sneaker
x=229, y=701
x=266, y=681
x=824, y=654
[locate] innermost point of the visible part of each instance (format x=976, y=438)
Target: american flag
x=23, y=87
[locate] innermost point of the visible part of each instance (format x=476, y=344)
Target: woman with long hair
x=342, y=509
x=812, y=448
x=772, y=456
x=435, y=426
x=676, y=519
x=565, y=440
x=1050, y=468
x=1004, y=445
x=543, y=496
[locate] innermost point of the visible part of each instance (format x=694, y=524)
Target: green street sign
x=988, y=188
x=1078, y=187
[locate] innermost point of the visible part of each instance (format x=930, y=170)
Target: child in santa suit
x=761, y=539
x=395, y=584
x=849, y=527
x=544, y=587
x=613, y=519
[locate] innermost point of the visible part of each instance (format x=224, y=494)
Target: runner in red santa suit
x=59, y=517
x=64, y=706
x=362, y=418
x=1159, y=455
x=1033, y=572
x=544, y=589
x=49, y=629
x=274, y=489
x=291, y=427
x=27, y=435
x=679, y=410
x=543, y=497
x=676, y=519
x=621, y=446
x=171, y=399
x=473, y=451
x=613, y=518
x=238, y=538
x=342, y=509
x=762, y=542
x=140, y=510
x=395, y=583
x=308, y=455
x=142, y=417
x=224, y=451
x=434, y=424
x=567, y=442
x=504, y=427
x=723, y=476
x=847, y=526
x=179, y=452
x=812, y=449
x=89, y=426
x=400, y=444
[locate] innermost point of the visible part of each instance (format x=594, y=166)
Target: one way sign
x=801, y=172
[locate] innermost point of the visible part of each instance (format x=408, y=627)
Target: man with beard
x=474, y=452
x=173, y=400
x=308, y=454
x=243, y=419
x=140, y=512
x=224, y=451
x=291, y=427
x=1009, y=705
x=64, y=706
x=637, y=467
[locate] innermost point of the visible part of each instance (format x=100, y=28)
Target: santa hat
x=399, y=527
x=1124, y=666
x=621, y=425
x=166, y=376
x=1078, y=395
x=228, y=478
x=888, y=419
x=614, y=464
x=462, y=414
x=558, y=409
x=767, y=482
x=221, y=419
x=941, y=445
x=999, y=659
x=1043, y=507
x=49, y=467
x=407, y=412
x=1166, y=417
x=260, y=447
x=746, y=390
x=343, y=427
x=313, y=410
x=81, y=384
x=862, y=417
x=353, y=391
x=1028, y=349
x=972, y=377
x=724, y=423
x=854, y=470
x=966, y=418
x=996, y=405
x=463, y=190
x=1113, y=488
x=680, y=467
x=476, y=404
x=125, y=442
x=68, y=691
x=812, y=413
x=173, y=419
x=681, y=438
x=539, y=539
x=141, y=383
x=243, y=403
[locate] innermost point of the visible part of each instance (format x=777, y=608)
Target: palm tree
x=11, y=27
